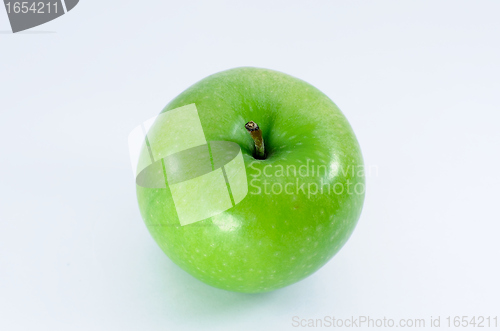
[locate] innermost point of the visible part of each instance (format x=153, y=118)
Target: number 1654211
x=35, y=8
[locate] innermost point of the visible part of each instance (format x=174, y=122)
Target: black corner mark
x=25, y=15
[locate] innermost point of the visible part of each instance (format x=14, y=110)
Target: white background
x=419, y=82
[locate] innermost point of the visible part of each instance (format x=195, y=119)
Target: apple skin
x=267, y=241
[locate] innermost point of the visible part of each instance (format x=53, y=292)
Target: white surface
x=418, y=81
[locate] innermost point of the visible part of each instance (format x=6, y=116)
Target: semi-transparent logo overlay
x=204, y=178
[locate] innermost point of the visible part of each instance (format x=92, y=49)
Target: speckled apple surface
x=267, y=241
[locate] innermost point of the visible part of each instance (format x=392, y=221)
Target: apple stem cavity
x=256, y=134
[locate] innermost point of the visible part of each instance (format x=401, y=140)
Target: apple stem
x=256, y=134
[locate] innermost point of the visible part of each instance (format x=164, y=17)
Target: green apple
x=305, y=194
